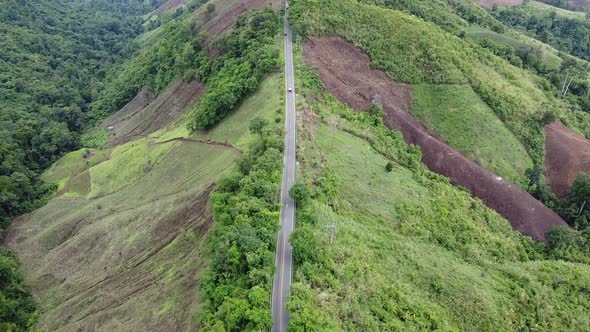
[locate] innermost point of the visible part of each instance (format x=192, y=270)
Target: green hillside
x=130, y=230
x=457, y=114
x=404, y=250
x=141, y=158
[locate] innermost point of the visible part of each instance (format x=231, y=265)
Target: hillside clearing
x=346, y=72
x=140, y=236
x=466, y=123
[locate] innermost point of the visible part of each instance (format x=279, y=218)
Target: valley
x=316, y=165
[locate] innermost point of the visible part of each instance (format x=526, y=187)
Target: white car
x=290, y=90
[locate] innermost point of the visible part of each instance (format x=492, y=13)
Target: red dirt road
x=566, y=155
x=345, y=71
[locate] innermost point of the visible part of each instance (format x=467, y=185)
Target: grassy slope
x=515, y=95
x=135, y=189
x=456, y=113
x=264, y=103
x=411, y=252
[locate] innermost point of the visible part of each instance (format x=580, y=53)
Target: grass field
x=73, y=164
x=121, y=236
x=456, y=113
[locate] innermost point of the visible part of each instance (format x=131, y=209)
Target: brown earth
x=224, y=21
x=566, y=155
x=489, y=3
x=346, y=72
x=144, y=115
x=169, y=5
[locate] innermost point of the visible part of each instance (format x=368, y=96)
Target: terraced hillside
x=123, y=244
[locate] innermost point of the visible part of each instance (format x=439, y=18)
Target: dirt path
x=346, y=72
x=566, y=155
x=222, y=145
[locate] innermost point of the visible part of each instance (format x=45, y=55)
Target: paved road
x=284, y=259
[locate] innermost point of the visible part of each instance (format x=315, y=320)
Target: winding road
x=284, y=260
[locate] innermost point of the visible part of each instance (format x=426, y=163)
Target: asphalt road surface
x=284, y=260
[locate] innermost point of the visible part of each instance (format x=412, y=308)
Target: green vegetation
x=249, y=53
x=568, y=5
x=519, y=50
x=566, y=32
x=54, y=58
x=559, y=7
x=452, y=16
x=236, y=288
x=457, y=114
x=405, y=250
x=17, y=307
x=265, y=103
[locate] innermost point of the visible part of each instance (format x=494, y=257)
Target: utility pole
x=330, y=231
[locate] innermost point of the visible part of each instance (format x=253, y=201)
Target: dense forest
x=55, y=57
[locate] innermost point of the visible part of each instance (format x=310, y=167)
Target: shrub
x=299, y=192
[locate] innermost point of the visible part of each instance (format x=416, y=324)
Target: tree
x=580, y=190
x=389, y=167
x=257, y=125
x=299, y=192
x=210, y=10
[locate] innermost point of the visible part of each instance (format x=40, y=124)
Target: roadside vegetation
x=384, y=244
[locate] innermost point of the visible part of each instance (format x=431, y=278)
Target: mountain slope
x=126, y=240
x=382, y=243
x=129, y=251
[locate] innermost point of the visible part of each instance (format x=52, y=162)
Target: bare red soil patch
x=223, y=21
x=346, y=72
x=169, y=5
x=566, y=155
x=145, y=115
